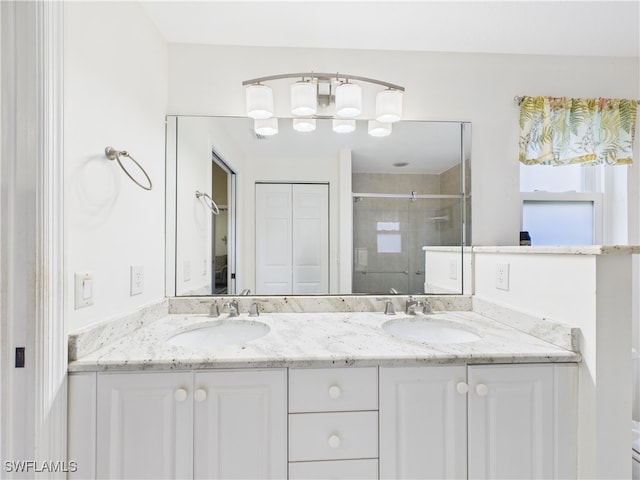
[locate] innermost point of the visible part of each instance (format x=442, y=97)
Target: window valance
x=562, y=131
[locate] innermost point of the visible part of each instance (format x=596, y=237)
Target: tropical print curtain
x=562, y=131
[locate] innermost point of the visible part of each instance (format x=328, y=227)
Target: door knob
x=482, y=390
x=334, y=441
x=200, y=395
x=180, y=395
x=462, y=387
x=334, y=392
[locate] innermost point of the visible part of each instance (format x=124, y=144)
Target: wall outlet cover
x=137, y=279
x=453, y=269
x=502, y=276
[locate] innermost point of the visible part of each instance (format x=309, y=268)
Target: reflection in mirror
x=316, y=213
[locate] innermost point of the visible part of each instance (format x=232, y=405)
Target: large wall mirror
x=316, y=213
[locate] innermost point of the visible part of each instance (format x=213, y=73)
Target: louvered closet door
x=292, y=238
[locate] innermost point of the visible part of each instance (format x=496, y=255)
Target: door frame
x=32, y=288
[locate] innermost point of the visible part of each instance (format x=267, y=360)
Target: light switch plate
x=186, y=271
x=137, y=279
x=83, y=288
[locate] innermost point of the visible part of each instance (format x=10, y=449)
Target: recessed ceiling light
x=401, y=164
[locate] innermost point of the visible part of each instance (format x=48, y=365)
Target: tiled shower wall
x=422, y=222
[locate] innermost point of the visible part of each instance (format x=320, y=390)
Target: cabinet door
x=511, y=421
x=423, y=422
x=144, y=425
x=240, y=424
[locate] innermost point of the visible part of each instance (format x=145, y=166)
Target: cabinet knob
x=180, y=395
x=462, y=388
x=334, y=441
x=334, y=391
x=200, y=395
x=482, y=390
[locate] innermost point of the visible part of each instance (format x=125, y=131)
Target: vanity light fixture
x=266, y=126
x=259, y=101
x=379, y=129
x=325, y=95
x=304, y=124
x=341, y=125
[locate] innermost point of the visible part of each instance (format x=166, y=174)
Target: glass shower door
x=389, y=233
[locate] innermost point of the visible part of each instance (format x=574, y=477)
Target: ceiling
x=595, y=28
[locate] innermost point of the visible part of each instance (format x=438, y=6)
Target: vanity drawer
x=333, y=436
x=335, y=469
x=333, y=389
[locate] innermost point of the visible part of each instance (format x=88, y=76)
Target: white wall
x=193, y=227
x=439, y=86
x=594, y=293
x=116, y=69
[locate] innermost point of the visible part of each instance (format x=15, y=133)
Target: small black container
x=525, y=239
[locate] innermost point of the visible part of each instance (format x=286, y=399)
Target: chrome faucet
x=233, y=308
x=214, y=310
x=410, y=306
x=245, y=292
x=389, y=309
x=254, y=311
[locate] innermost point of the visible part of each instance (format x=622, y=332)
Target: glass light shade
x=304, y=124
x=343, y=126
x=348, y=100
x=304, y=98
x=259, y=101
x=389, y=106
x=379, y=129
x=266, y=126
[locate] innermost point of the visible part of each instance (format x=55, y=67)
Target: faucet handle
x=389, y=309
x=254, y=311
x=426, y=307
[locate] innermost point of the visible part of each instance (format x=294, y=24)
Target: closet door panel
x=273, y=238
x=310, y=268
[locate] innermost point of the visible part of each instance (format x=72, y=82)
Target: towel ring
x=209, y=201
x=113, y=154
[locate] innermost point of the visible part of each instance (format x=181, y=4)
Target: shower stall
x=389, y=233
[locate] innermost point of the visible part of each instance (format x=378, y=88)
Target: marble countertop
x=319, y=340
x=564, y=250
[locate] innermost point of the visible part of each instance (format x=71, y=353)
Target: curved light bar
x=339, y=77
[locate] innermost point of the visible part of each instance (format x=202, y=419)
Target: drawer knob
x=462, y=387
x=334, y=441
x=180, y=395
x=482, y=390
x=334, y=391
x=200, y=395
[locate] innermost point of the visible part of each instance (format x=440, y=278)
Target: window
x=573, y=204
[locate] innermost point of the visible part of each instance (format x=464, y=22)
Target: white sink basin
x=429, y=330
x=220, y=333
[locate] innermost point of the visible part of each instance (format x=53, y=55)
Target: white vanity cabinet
x=333, y=423
x=214, y=424
x=485, y=421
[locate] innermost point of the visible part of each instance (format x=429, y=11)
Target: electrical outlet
x=137, y=280
x=83, y=289
x=502, y=276
x=186, y=271
x=453, y=269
